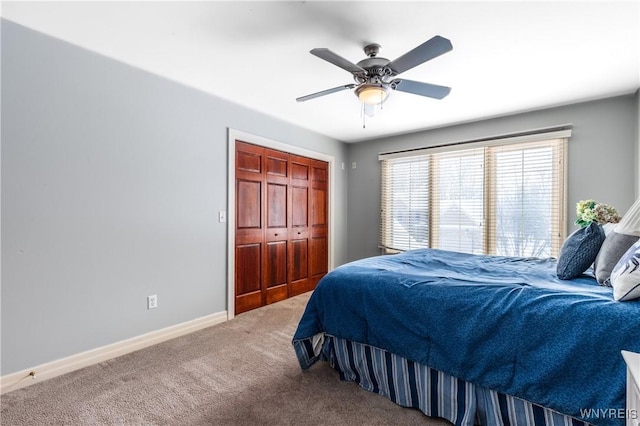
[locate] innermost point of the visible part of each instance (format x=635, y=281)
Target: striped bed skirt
x=433, y=392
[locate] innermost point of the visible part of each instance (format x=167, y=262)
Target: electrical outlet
x=152, y=301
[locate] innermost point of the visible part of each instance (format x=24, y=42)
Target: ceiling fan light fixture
x=371, y=93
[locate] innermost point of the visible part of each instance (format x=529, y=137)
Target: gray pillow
x=579, y=251
x=614, y=246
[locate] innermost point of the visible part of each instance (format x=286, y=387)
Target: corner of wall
x=637, y=144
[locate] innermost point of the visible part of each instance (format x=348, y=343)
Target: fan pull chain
x=364, y=116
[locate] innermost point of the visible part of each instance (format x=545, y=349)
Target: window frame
x=556, y=138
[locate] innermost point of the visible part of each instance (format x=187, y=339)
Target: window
x=405, y=195
x=502, y=196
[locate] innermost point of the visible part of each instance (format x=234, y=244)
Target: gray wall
x=112, y=179
x=637, y=154
x=602, y=159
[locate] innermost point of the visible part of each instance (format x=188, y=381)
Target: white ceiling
x=508, y=56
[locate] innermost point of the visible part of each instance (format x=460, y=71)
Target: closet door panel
x=299, y=168
x=276, y=163
x=299, y=266
x=319, y=207
x=318, y=222
x=249, y=198
x=276, y=205
x=248, y=278
x=276, y=271
x=248, y=159
x=318, y=257
x=300, y=207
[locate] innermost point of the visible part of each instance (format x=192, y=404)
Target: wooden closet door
x=318, y=222
x=277, y=224
x=249, y=233
x=281, y=247
x=300, y=172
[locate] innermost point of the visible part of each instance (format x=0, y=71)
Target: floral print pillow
x=625, y=277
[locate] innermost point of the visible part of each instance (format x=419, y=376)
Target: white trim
x=49, y=370
x=489, y=141
x=234, y=135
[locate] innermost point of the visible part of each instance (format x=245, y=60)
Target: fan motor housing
x=375, y=67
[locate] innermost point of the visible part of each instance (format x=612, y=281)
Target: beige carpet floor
x=242, y=372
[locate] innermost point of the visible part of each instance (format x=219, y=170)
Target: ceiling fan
x=376, y=76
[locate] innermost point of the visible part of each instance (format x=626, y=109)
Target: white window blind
x=505, y=199
x=528, y=199
x=458, y=200
x=405, y=194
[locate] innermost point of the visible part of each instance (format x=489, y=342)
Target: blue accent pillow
x=579, y=251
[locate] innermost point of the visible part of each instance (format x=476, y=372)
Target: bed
x=474, y=339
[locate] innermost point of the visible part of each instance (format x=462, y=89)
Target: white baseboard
x=52, y=369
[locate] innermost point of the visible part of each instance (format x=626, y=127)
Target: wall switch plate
x=152, y=301
x=222, y=216
x=353, y=165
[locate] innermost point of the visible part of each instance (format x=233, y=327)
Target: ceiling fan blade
x=419, y=88
x=335, y=59
x=428, y=50
x=325, y=92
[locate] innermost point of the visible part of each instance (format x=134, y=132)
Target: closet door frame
x=233, y=135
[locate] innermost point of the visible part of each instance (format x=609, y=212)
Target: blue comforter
x=507, y=324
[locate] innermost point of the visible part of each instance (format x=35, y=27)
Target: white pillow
x=630, y=222
x=625, y=277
